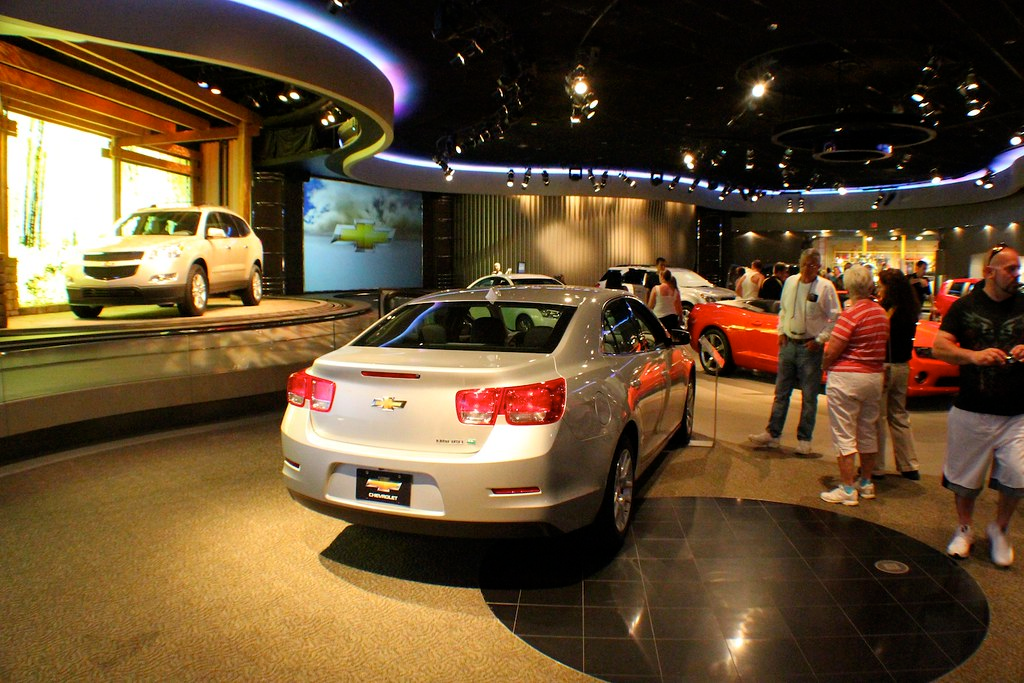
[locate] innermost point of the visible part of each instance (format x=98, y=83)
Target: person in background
x=903, y=310
x=983, y=333
x=771, y=288
x=749, y=284
x=807, y=311
x=854, y=360
x=665, y=302
x=922, y=288
x=660, y=264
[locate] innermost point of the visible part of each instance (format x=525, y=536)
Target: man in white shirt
x=808, y=310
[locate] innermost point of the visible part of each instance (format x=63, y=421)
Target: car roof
x=542, y=294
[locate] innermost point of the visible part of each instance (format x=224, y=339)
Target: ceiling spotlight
x=936, y=176
x=789, y=206
x=656, y=179
x=761, y=86
x=471, y=49
x=986, y=181
x=693, y=185
x=545, y=177
x=581, y=95
x=449, y=173
x=970, y=81
x=841, y=189
x=526, y=178
x=975, y=106
x=672, y=185
x=203, y=84
x=1017, y=138
x=689, y=160
x=334, y=5
x=800, y=206
x=750, y=160
x=511, y=178
x=574, y=174
x=878, y=200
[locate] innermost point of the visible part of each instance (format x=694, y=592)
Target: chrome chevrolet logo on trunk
x=387, y=403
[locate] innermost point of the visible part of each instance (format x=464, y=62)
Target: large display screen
x=361, y=237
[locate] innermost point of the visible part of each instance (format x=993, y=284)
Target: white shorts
x=974, y=441
x=853, y=407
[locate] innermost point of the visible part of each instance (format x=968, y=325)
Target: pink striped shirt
x=865, y=328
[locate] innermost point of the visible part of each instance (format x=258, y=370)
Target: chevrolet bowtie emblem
x=387, y=403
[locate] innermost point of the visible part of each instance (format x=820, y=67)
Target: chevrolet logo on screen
x=388, y=403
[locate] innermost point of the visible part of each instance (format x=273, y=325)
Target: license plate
x=393, y=488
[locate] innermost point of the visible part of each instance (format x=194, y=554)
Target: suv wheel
x=253, y=294
x=197, y=292
x=87, y=312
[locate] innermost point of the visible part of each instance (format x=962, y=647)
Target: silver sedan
x=442, y=419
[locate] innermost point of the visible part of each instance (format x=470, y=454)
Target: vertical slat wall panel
x=575, y=237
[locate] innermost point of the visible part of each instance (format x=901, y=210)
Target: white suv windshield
x=160, y=223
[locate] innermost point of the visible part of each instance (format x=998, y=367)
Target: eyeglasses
x=995, y=250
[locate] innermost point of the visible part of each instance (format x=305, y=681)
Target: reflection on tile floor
x=719, y=589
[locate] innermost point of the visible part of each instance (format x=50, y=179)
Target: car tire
x=685, y=430
x=523, y=323
x=197, y=292
x=253, y=294
x=718, y=340
x=613, y=518
x=86, y=312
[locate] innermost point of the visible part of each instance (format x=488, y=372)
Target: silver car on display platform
x=440, y=418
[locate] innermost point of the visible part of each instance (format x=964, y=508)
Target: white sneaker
x=960, y=545
x=764, y=440
x=866, y=489
x=840, y=495
x=803, y=447
x=999, y=546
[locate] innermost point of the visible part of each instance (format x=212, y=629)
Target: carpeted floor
x=180, y=557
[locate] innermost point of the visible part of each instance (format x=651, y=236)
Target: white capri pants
x=853, y=408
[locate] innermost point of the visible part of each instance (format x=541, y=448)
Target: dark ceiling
x=674, y=76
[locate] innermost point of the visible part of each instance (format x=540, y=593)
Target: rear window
x=471, y=326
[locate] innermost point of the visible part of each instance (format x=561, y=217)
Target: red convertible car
x=743, y=332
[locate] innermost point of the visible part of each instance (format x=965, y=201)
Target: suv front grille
x=117, y=272
x=114, y=256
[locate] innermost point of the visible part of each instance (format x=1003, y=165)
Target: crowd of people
x=864, y=345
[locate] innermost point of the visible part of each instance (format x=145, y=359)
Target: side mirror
x=680, y=337
x=215, y=232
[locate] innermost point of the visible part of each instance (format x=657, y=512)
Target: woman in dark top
x=901, y=305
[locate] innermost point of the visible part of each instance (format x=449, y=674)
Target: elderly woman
x=854, y=359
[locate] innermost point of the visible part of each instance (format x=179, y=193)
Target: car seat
x=537, y=336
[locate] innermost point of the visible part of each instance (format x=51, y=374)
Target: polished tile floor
x=718, y=589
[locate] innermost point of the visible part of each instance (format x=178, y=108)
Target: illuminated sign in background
x=361, y=237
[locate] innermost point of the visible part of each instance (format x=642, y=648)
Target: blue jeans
x=801, y=367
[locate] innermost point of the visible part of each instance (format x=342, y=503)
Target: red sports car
x=950, y=291
x=743, y=332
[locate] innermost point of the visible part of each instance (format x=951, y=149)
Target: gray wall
x=575, y=237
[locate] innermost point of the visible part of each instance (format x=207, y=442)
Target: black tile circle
x=725, y=589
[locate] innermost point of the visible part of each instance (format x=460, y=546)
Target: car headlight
x=168, y=252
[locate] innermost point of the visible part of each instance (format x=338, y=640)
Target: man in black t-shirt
x=771, y=288
x=922, y=287
x=983, y=333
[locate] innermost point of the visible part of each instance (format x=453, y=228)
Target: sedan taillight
x=319, y=392
x=530, y=404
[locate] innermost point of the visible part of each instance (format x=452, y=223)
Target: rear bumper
x=452, y=495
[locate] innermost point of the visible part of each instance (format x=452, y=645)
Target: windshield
x=471, y=326
x=160, y=223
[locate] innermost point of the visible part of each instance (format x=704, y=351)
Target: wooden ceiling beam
x=28, y=85
x=162, y=115
x=185, y=136
x=46, y=113
x=139, y=70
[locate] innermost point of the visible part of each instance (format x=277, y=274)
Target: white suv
x=639, y=280
x=168, y=255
